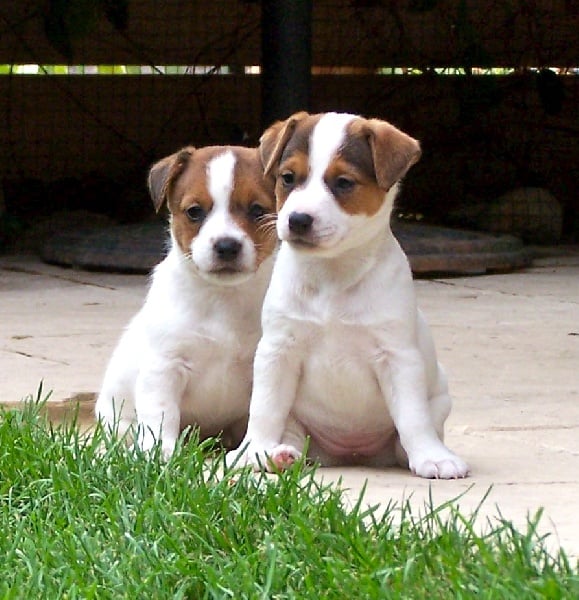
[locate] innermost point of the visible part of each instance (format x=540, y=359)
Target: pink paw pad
x=283, y=457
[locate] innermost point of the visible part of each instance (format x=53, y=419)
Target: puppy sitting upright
x=345, y=357
x=186, y=357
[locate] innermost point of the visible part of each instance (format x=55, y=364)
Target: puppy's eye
x=287, y=178
x=344, y=184
x=256, y=211
x=195, y=213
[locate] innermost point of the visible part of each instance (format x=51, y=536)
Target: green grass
x=86, y=517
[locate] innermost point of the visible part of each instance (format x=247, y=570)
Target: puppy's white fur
x=186, y=357
x=346, y=358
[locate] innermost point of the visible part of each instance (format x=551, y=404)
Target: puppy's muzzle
x=227, y=249
x=300, y=223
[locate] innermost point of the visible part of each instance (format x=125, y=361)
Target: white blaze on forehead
x=327, y=137
x=330, y=222
x=220, y=180
x=219, y=223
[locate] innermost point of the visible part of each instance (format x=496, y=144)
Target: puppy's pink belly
x=351, y=444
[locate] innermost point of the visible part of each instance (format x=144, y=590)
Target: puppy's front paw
x=237, y=458
x=277, y=458
x=282, y=457
x=147, y=442
x=443, y=466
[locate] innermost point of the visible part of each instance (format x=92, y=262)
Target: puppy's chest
x=333, y=309
x=216, y=342
x=338, y=344
x=339, y=366
x=344, y=338
x=200, y=337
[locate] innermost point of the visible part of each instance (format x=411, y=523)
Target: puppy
x=346, y=357
x=186, y=357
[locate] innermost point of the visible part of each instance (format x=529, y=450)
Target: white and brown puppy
x=186, y=357
x=346, y=357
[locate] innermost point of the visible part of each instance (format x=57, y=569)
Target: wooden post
x=286, y=58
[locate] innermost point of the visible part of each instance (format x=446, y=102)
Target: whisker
x=267, y=223
x=267, y=218
x=267, y=226
x=270, y=233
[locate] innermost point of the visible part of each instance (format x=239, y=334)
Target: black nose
x=227, y=248
x=300, y=222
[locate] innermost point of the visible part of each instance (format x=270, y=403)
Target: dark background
x=86, y=141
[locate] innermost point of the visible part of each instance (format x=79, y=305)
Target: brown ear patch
x=393, y=151
x=164, y=173
x=275, y=138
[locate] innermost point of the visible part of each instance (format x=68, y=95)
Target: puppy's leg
x=440, y=404
x=157, y=401
x=275, y=379
x=117, y=415
x=115, y=405
x=404, y=386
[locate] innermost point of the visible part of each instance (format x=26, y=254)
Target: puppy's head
x=222, y=209
x=336, y=177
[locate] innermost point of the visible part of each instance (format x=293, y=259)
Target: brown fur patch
x=274, y=139
x=297, y=163
x=364, y=197
x=164, y=172
x=286, y=137
x=252, y=188
x=357, y=152
x=190, y=189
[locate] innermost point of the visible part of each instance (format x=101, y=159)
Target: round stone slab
x=434, y=249
x=123, y=248
x=430, y=249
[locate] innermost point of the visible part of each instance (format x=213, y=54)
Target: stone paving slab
x=510, y=345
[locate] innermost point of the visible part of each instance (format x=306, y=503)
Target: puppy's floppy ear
x=393, y=151
x=164, y=173
x=274, y=140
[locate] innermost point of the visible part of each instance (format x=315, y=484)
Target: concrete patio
x=510, y=344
